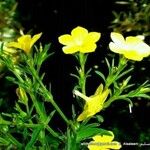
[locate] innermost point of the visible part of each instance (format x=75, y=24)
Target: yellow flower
x=25, y=42
x=94, y=103
x=133, y=47
x=8, y=52
x=80, y=40
x=104, y=142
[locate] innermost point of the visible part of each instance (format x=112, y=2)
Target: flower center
x=79, y=42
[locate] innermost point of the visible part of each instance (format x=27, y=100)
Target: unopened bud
x=22, y=95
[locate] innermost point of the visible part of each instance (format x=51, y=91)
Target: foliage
x=29, y=125
x=9, y=26
x=133, y=16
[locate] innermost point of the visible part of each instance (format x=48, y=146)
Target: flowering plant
x=30, y=125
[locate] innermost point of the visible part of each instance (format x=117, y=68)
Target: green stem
x=31, y=125
x=59, y=111
x=53, y=133
x=49, y=97
x=31, y=109
x=114, y=74
x=82, y=80
x=37, y=107
x=36, y=126
x=13, y=140
x=114, y=98
x=27, y=108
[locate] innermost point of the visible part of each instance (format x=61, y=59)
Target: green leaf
x=3, y=141
x=124, y=73
x=142, y=95
x=108, y=65
x=92, y=125
x=89, y=131
x=50, y=116
x=113, y=63
x=13, y=140
x=128, y=100
x=74, y=75
x=34, y=137
x=101, y=75
x=42, y=55
x=99, y=118
x=88, y=73
x=73, y=112
x=52, y=142
x=42, y=109
x=128, y=86
x=11, y=79
x=71, y=144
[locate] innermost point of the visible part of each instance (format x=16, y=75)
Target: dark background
x=54, y=17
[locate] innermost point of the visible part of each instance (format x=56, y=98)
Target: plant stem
x=53, y=133
x=114, y=74
x=31, y=125
x=82, y=80
x=46, y=95
x=13, y=140
x=49, y=97
x=114, y=98
x=37, y=107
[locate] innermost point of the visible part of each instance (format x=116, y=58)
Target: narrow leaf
x=124, y=73
x=101, y=75
x=34, y=137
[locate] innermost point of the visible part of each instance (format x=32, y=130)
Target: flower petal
x=99, y=89
x=35, y=38
x=138, y=45
x=79, y=33
x=93, y=37
x=104, y=138
x=65, y=39
x=137, y=49
x=24, y=39
x=94, y=145
x=70, y=49
x=91, y=107
x=133, y=56
x=117, y=38
x=88, y=48
x=82, y=116
x=14, y=44
x=104, y=95
x=142, y=37
x=94, y=103
x=133, y=41
x=115, y=48
x=115, y=145
x=104, y=142
x=144, y=49
x=77, y=93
